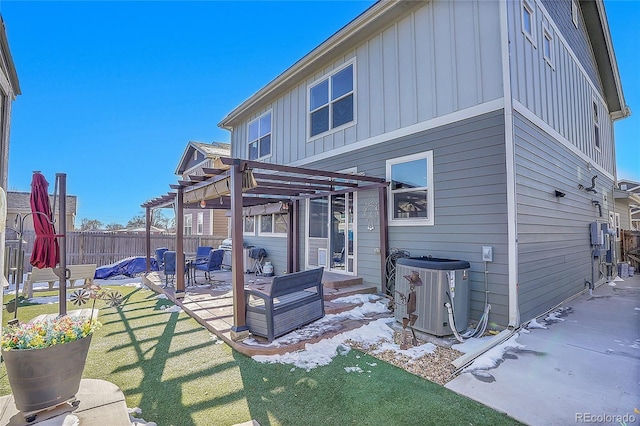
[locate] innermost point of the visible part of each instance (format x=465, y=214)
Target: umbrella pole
x=62, y=229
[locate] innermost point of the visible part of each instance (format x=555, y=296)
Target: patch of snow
x=617, y=278
x=138, y=421
x=494, y=356
x=162, y=296
x=612, y=284
x=535, y=324
x=353, y=369
x=171, y=309
x=471, y=345
x=358, y=298
x=636, y=309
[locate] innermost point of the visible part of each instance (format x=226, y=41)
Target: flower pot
x=47, y=377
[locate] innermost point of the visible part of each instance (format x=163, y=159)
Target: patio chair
x=160, y=257
x=169, y=259
x=202, y=254
x=257, y=254
x=213, y=263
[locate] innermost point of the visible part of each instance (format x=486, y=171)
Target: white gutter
x=512, y=229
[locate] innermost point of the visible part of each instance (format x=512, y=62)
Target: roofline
x=325, y=48
x=603, y=31
x=194, y=144
x=13, y=75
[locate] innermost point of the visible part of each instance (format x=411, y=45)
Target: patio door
x=331, y=233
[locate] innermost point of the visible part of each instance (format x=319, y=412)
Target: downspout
x=512, y=228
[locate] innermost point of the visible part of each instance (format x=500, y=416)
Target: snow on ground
x=493, y=356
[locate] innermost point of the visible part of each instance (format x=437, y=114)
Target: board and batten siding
x=554, y=251
x=562, y=93
x=440, y=58
x=470, y=204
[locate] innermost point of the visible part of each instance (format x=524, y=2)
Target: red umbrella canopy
x=46, y=251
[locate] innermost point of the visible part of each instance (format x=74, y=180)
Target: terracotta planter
x=44, y=378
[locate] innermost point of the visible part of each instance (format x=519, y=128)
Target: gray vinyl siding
x=440, y=58
x=470, y=204
x=554, y=252
x=561, y=95
x=276, y=248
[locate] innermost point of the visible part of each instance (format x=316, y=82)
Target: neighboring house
x=490, y=120
x=203, y=221
x=19, y=203
x=627, y=198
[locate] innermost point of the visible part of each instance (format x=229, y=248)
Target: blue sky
x=113, y=91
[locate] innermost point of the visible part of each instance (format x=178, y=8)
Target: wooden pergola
x=234, y=184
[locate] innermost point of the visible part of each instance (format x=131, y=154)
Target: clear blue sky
x=113, y=91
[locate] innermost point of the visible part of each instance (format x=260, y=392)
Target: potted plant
x=45, y=360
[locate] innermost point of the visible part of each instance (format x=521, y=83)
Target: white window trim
x=254, y=226
x=353, y=92
x=532, y=11
x=429, y=220
x=200, y=223
x=596, y=124
x=258, y=223
x=188, y=218
x=547, y=35
x=575, y=10
x=250, y=141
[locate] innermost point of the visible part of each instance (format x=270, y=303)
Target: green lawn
x=172, y=368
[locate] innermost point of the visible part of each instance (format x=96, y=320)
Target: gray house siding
x=470, y=203
x=562, y=93
x=554, y=251
x=440, y=58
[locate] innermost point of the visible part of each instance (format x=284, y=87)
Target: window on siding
x=574, y=12
x=411, y=189
x=547, y=46
x=188, y=224
x=249, y=225
x=200, y=223
x=331, y=102
x=596, y=126
x=318, y=214
x=273, y=225
x=260, y=137
x=528, y=21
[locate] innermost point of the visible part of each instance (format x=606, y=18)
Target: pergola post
x=148, y=237
x=239, y=330
x=179, y=244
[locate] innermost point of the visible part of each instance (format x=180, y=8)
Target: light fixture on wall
x=559, y=194
x=203, y=204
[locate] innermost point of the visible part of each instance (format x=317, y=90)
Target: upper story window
x=574, y=12
x=200, y=223
x=331, y=102
x=260, y=137
x=411, y=189
x=528, y=21
x=273, y=225
x=596, y=126
x=188, y=224
x=547, y=46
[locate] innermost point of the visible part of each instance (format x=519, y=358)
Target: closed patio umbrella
x=46, y=251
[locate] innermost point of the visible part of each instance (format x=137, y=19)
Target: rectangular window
x=249, y=225
x=273, y=225
x=331, y=102
x=260, y=137
x=547, y=46
x=200, y=224
x=318, y=216
x=411, y=189
x=596, y=126
x=575, y=8
x=188, y=224
x=528, y=21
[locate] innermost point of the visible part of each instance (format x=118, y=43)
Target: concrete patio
x=583, y=368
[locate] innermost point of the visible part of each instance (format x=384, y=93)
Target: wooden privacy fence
x=105, y=248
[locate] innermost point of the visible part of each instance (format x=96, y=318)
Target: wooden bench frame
x=76, y=272
x=293, y=300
